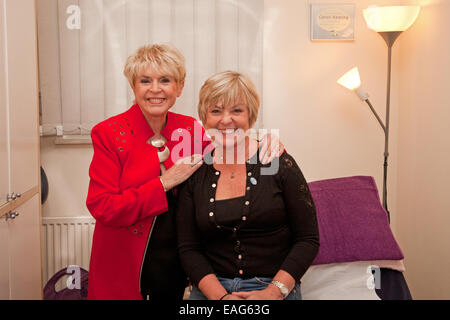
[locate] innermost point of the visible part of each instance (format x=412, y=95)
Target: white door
x=4, y=166
x=20, y=243
x=4, y=156
x=25, y=252
x=22, y=94
x=4, y=260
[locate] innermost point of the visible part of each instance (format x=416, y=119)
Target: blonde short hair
x=228, y=87
x=162, y=58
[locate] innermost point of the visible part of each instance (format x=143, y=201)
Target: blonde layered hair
x=162, y=58
x=225, y=88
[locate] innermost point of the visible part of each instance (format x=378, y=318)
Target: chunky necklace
x=163, y=152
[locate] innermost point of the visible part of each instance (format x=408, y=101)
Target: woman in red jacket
x=139, y=157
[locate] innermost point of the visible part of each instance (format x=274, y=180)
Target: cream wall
x=423, y=225
x=67, y=173
x=328, y=129
x=332, y=133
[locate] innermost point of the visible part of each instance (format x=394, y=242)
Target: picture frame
x=332, y=21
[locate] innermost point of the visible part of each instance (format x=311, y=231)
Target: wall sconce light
x=389, y=22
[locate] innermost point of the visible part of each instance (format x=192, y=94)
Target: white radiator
x=65, y=241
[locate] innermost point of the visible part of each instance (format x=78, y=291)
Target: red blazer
x=125, y=194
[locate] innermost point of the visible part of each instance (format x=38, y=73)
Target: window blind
x=83, y=46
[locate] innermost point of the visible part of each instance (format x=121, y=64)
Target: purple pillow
x=353, y=225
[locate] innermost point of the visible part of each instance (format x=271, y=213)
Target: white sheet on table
x=339, y=281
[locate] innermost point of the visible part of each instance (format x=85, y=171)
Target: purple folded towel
x=353, y=225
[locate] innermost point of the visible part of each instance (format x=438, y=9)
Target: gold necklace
x=221, y=160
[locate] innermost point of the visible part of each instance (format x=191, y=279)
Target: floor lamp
x=389, y=22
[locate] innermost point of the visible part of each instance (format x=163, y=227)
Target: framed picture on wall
x=332, y=21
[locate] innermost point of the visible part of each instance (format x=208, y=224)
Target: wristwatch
x=284, y=290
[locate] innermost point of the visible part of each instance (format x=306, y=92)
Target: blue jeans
x=238, y=284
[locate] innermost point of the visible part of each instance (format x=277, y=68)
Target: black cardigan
x=272, y=227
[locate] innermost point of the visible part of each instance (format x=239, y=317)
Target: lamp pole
x=389, y=37
x=386, y=153
x=389, y=22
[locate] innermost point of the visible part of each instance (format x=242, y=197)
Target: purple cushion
x=353, y=225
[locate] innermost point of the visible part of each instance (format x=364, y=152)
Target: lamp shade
x=391, y=18
x=351, y=79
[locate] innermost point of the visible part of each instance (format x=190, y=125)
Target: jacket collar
x=143, y=126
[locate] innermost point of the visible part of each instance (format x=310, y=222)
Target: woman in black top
x=245, y=230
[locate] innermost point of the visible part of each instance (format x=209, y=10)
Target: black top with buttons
x=272, y=227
